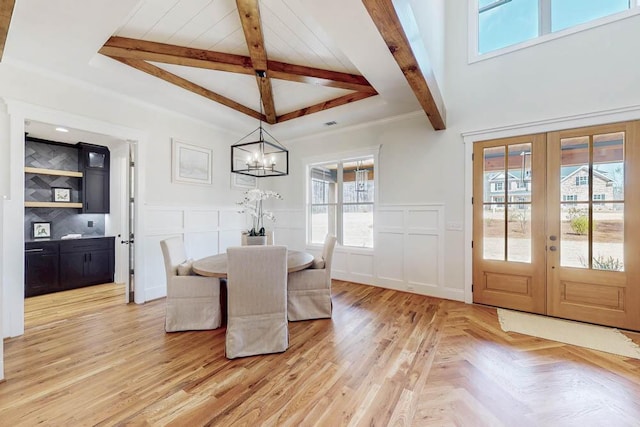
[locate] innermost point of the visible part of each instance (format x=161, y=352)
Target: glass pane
x=569, y=13
x=493, y=232
x=494, y=179
x=96, y=160
x=519, y=173
x=323, y=221
x=324, y=184
x=357, y=178
x=519, y=243
x=358, y=226
x=574, y=238
x=608, y=237
x=608, y=167
x=506, y=23
x=574, y=171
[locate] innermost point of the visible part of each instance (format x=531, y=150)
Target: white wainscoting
x=205, y=231
x=409, y=252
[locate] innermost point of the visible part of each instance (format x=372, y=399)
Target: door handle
x=553, y=248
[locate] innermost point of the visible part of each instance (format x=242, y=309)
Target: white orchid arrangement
x=252, y=204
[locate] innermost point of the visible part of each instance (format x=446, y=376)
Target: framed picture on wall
x=242, y=182
x=41, y=229
x=61, y=194
x=190, y=163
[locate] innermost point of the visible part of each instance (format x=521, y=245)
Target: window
x=500, y=24
x=599, y=198
x=582, y=180
x=499, y=186
x=569, y=197
x=341, y=201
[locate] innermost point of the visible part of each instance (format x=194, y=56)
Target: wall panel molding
x=205, y=230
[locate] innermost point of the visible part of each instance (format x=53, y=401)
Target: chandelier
x=261, y=157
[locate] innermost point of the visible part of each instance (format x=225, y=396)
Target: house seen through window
x=341, y=201
x=504, y=23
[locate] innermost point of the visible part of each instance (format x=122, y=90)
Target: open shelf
x=52, y=205
x=56, y=172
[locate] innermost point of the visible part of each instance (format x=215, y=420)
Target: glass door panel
x=509, y=178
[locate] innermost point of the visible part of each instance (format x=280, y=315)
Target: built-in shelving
x=52, y=205
x=56, y=172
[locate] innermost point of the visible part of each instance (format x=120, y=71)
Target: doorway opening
x=119, y=186
x=554, y=228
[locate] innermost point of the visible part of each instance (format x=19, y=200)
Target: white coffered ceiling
x=64, y=36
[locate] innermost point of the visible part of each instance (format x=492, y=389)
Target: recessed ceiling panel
x=201, y=24
x=241, y=88
x=293, y=96
x=292, y=38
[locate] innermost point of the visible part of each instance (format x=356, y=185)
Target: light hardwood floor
x=386, y=358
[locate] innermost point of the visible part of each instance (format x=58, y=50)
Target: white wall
x=583, y=79
x=30, y=94
x=588, y=77
x=416, y=245
x=430, y=18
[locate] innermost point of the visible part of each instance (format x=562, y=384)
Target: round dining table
x=216, y=265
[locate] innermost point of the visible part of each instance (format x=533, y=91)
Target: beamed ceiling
x=273, y=60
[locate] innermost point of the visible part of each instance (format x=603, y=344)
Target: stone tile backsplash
x=38, y=189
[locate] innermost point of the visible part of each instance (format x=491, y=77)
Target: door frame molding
x=18, y=111
x=541, y=126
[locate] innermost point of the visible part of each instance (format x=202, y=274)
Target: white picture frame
x=190, y=163
x=240, y=181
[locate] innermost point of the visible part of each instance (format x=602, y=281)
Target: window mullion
x=544, y=17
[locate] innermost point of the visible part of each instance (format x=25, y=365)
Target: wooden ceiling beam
x=6, y=11
x=316, y=76
x=385, y=18
x=123, y=47
x=185, y=84
x=346, y=99
x=249, y=12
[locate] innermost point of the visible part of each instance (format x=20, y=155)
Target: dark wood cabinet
x=86, y=262
x=54, y=266
x=95, y=191
x=41, y=268
x=94, y=162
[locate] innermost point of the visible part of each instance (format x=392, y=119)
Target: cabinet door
x=100, y=266
x=41, y=274
x=95, y=191
x=72, y=270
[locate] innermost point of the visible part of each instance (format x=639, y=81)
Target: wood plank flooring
x=385, y=358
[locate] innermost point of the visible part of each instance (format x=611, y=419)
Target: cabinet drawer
x=43, y=248
x=82, y=245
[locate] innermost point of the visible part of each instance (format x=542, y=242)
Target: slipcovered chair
x=193, y=302
x=256, y=301
x=309, y=291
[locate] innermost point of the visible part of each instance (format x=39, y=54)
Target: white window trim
x=473, y=27
x=342, y=156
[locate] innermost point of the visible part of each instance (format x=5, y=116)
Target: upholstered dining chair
x=309, y=291
x=256, y=301
x=193, y=302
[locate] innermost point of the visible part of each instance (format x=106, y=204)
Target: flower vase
x=256, y=240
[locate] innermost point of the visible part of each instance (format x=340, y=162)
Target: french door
x=557, y=224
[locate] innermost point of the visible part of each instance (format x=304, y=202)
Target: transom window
x=500, y=24
x=341, y=201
